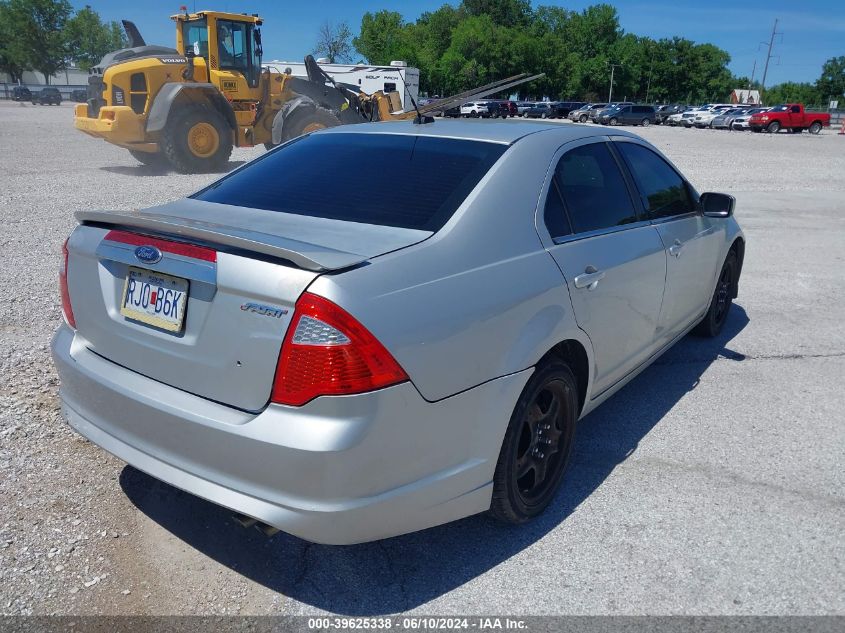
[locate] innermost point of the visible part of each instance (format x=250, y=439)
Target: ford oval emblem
x=148, y=254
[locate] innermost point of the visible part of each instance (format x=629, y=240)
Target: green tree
x=89, y=39
x=334, y=41
x=831, y=84
x=38, y=27
x=501, y=12
x=382, y=37
x=13, y=57
x=792, y=92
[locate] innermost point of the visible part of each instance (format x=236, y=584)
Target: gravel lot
x=712, y=484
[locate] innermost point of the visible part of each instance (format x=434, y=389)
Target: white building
x=398, y=76
x=745, y=96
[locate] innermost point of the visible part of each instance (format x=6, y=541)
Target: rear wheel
x=774, y=127
x=304, y=121
x=197, y=140
x=583, y=118
x=815, y=128
x=645, y=123
x=720, y=305
x=537, y=445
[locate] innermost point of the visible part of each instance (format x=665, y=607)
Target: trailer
x=367, y=79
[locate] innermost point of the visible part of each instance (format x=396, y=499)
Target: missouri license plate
x=155, y=299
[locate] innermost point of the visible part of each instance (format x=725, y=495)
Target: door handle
x=589, y=279
x=675, y=249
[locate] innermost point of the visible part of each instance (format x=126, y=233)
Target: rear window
x=414, y=182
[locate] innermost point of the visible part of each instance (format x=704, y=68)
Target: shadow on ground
x=407, y=571
x=158, y=170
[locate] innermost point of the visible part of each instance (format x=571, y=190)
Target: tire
x=543, y=115
x=196, y=140
x=536, y=445
x=307, y=120
x=720, y=305
x=583, y=118
x=815, y=127
x=524, y=115
x=773, y=127
x=613, y=121
x=645, y=123
x=154, y=160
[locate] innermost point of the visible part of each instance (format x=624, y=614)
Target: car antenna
x=421, y=118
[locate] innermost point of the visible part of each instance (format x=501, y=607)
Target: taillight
x=67, y=309
x=327, y=352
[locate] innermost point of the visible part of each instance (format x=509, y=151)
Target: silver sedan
x=379, y=328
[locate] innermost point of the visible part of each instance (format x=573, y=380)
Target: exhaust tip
x=248, y=522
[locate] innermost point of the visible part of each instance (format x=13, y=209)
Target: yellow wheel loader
x=188, y=106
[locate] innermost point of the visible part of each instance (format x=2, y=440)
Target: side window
x=796, y=109
x=664, y=192
x=555, y=215
x=231, y=43
x=593, y=190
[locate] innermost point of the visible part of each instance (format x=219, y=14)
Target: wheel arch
x=177, y=94
x=738, y=248
x=573, y=353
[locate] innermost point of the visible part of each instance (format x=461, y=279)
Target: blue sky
x=813, y=30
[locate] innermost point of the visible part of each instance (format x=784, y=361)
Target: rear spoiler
x=303, y=254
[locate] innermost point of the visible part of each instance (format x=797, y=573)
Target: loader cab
x=229, y=44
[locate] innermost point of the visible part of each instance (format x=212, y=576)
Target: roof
x=507, y=131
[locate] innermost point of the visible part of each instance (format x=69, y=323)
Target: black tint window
x=555, y=215
x=664, y=192
x=593, y=189
x=387, y=179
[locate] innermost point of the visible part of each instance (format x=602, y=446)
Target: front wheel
x=774, y=127
x=815, y=128
x=583, y=118
x=645, y=123
x=197, y=140
x=722, y=300
x=613, y=121
x=537, y=445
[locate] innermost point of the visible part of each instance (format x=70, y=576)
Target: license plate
x=156, y=299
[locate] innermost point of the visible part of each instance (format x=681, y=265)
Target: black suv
x=47, y=96
x=79, y=95
x=563, y=108
x=664, y=111
x=21, y=93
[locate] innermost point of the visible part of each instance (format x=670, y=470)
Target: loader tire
x=304, y=121
x=197, y=140
x=154, y=160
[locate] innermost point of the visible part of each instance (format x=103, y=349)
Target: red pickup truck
x=791, y=117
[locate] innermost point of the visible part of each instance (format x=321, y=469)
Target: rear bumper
x=115, y=124
x=339, y=470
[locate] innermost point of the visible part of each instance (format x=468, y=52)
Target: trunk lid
x=242, y=287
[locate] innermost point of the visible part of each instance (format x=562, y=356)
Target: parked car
x=506, y=109
x=540, y=110
x=629, y=115
x=47, y=96
x=741, y=122
x=81, y=96
x=705, y=118
x=683, y=119
x=596, y=118
x=522, y=107
x=582, y=114
x=474, y=109
x=563, y=108
x=21, y=93
x=665, y=111
x=791, y=117
x=725, y=120
x=330, y=371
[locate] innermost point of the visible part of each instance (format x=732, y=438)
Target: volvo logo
x=148, y=254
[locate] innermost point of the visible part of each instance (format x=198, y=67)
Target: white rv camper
x=397, y=76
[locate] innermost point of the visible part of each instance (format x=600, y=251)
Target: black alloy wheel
x=537, y=445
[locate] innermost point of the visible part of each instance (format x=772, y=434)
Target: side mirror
x=717, y=205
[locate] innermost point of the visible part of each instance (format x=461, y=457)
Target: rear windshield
x=406, y=181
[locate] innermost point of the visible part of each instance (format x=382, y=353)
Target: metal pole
x=610, y=92
x=769, y=55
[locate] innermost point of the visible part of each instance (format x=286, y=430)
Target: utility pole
x=613, y=67
x=769, y=54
